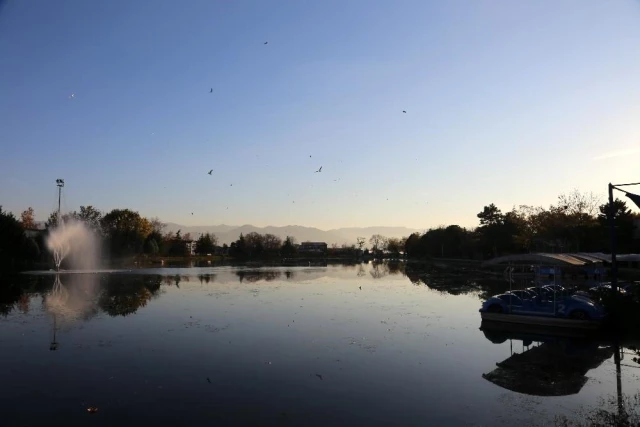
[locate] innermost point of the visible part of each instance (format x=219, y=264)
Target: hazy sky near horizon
x=510, y=102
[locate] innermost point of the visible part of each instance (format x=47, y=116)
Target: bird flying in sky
x=211, y=91
x=319, y=170
x=211, y=171
x=266, y=42
x=404, y=111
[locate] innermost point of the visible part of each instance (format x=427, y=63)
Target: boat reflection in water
x=548, y=365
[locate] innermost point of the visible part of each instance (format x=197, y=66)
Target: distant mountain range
x=230, y=233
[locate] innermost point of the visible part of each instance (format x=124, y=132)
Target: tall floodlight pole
x=614, y=262
x=60, y=184
x=635, y=198
x=612, y=231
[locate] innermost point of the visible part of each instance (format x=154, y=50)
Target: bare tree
x=157, y=226
x=254, y=241
x=271, y=242
x=394, y=245
x=577, y=203
x=378, y=242
x=361, y=241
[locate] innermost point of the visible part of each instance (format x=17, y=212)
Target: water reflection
x=122, y=292
x=175, y=279
x=206, y=278
x=252, y=276
x=543, y=364
x=615, y=411
x=455, y=282
x=82, y=296
x=381, y=346
x=77, y=299
x=126, y=295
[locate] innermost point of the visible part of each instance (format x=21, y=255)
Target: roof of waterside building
x=576, y=259
x=542, y=258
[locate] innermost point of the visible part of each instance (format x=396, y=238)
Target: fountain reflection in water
x=75, y=300
x=76, y=245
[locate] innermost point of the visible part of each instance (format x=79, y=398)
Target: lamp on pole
x=60, y=184
x=635, y=198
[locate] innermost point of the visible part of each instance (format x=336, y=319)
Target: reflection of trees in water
x=454, y=282
x=171, y=280
x=379, y=270
x=9, y=296
x=396, y=267
x=253, y=276
x=23, y=303
x=206, y=278
x=124, y=295
x=82, y=296
x=18, y=294
x=290, y=275
x=175, y=280
x=361, y=271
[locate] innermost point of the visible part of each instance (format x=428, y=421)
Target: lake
x=315, y=346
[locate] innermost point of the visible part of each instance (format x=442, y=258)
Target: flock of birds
x=320, y=169
x=73, y=96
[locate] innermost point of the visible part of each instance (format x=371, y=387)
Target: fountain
x=72, y=239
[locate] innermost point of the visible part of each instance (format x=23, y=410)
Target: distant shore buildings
x=312, y=248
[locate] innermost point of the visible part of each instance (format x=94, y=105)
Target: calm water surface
x=314, y=346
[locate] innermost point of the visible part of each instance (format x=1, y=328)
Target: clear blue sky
x=510, y=102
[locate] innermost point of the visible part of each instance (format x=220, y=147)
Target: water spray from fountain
x=73, y=241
